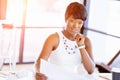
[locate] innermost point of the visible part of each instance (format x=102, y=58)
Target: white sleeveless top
x=67, y=54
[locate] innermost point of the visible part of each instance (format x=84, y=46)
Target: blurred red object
x=7, y=26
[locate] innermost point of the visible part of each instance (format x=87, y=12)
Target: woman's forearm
x=87, y=61
x=37, y=65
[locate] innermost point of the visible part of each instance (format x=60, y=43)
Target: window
x=103, y=28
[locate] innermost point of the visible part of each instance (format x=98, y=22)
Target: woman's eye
x=80, y=22
x=72, y=20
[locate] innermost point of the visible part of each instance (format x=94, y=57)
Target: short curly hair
x=77, y=10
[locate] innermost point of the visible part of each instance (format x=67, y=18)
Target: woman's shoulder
x=87, y=38
x=87, y=41
x=53, y=40
x=53, y=36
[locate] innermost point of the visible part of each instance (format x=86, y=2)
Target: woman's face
x=74, y=25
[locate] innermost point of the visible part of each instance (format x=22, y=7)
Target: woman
x=69, y=47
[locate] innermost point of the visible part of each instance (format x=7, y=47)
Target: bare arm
x=87, y=56
x=86, y=53
x=49, y=45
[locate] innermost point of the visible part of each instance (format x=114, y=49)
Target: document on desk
x=54, y=72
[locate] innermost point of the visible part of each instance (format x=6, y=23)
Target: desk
x=105, y=76
x=28, y=75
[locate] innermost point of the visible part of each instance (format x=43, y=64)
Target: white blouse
x=67, y=54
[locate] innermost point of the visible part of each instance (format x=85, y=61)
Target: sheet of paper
x=54, y=72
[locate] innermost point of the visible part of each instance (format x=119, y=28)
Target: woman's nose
x=76, y=25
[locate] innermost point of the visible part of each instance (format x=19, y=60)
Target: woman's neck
x=68, y=35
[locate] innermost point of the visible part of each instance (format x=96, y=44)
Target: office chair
x=114, y=62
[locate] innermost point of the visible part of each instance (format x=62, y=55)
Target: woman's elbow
x=91, y=70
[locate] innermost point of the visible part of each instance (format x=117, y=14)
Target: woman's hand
x=80, y=39
x=40, y=76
